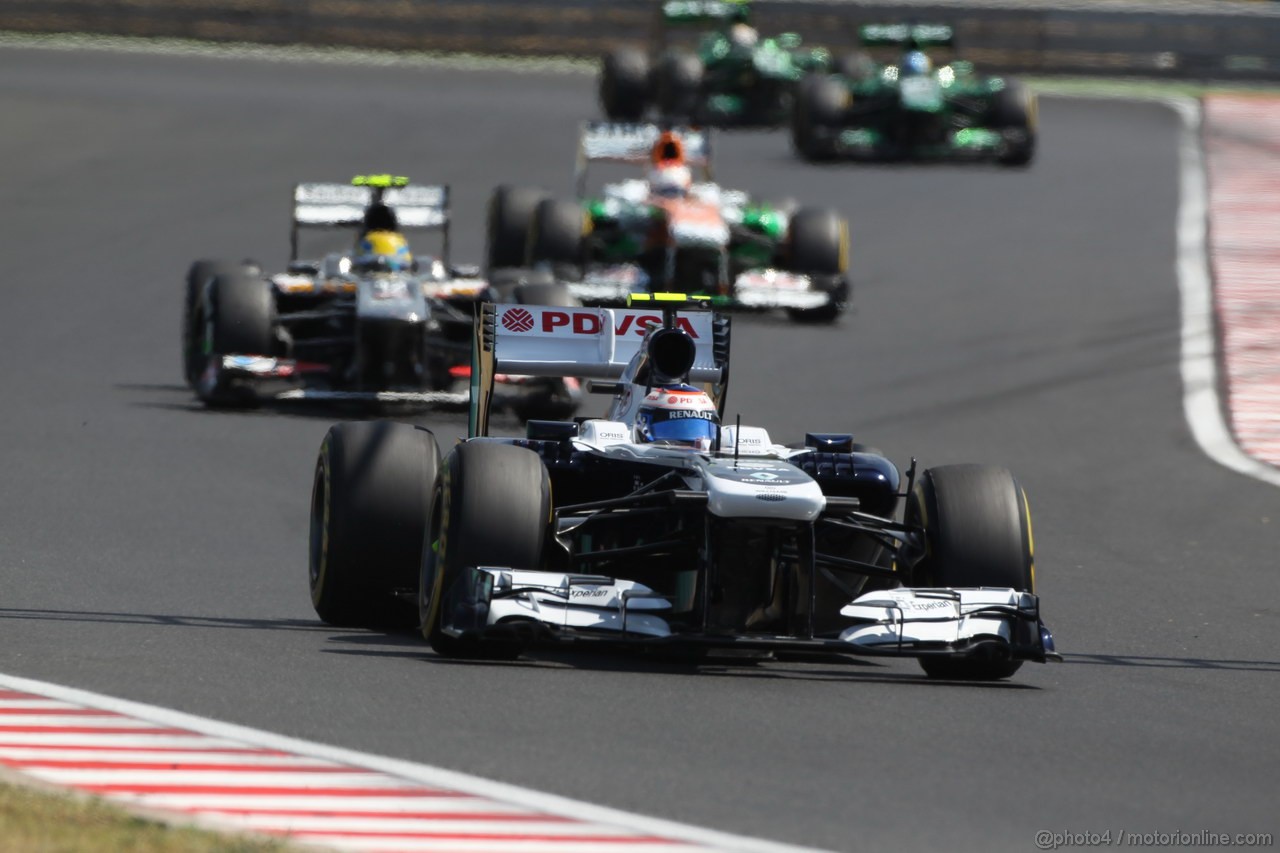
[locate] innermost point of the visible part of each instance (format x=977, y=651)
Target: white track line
x=348, y=799
x=1201, y=403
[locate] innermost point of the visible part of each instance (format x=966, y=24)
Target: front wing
x=501, y=602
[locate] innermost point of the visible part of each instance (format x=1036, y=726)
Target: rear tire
x=817, y=117
x=680, y=86
x=1013, y=111
x=978, y=533
x=507, y=225
x=370, y=502
x=198, y=276
x=492, y=508
x=556, y=233
x=624, y=85
x=818, y=246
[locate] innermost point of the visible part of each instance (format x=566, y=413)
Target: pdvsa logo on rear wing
x=558, y=322
x=597, y=343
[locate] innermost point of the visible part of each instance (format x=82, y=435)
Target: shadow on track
x=789, y=667
x=1148, y=662
x=169, y=619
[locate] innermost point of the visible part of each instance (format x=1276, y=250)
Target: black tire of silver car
x=817, y=246
x=556, y=233
x=1013, y=111
x=240, y=320
x=977, y=533
x=199, y=275
x=507, y=227
x=370, y=503
x=679, y=86
x=817, y=116
x=492, y=508
x=624, y=84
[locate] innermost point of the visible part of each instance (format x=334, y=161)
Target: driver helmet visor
x=691, y=428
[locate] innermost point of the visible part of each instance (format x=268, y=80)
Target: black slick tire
x=977, y=533
x=679, y=86
x=198, y=277
x=818, y=246
x=507, y=225
x=556, y=233
x=239, y=319
x=624, y=85
x=817, y=116
x=1014, y=113
x=370, y=503
x=492, y=508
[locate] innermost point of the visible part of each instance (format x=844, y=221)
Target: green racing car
x=732, y=78
x=914, y=109
x=666, y=232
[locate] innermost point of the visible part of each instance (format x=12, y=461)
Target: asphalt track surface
x=155, y=551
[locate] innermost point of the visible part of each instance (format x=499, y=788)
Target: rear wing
x=906, y=35
x=416, y=207
x=704, y=11
x=676, y=13
x=608, y=142
x=589, y=343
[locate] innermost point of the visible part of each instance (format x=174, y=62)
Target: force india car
x=914, y=110
x=325, y=330
x=733, y=78
x=579, y=533
x=712, y=241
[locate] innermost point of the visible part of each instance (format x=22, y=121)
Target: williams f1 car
x=657, y=528
x=370, y=325
x=912, y=109
x=671, y=232
x=732, y=78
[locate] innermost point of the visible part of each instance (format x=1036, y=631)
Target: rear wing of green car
x=680, y=13
x=704, y=11
x=412, y=207
x=906, y=35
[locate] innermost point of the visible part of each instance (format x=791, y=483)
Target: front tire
x=977, y=533
x=818, y=246
x=1014, y=112
x=238, y=319
x=492, y=508
x=370, y=502
x=198, y=277
x=817, y=116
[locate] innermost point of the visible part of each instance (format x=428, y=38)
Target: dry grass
x=35, y=820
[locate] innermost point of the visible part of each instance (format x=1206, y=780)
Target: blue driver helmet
x=679, y=415
x=916, y=63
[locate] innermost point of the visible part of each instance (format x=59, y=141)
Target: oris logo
x=517, y=320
